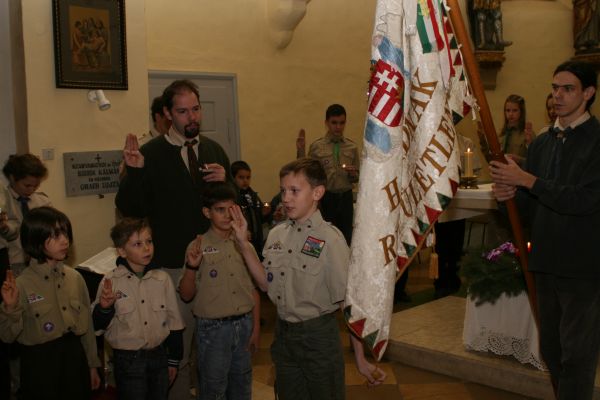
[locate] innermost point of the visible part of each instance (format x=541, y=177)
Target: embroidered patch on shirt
x=34, y=298
x=213, y=273
x=48, y=327
x=276, y=246
x=313, y=246
x=120, y=295
x=210, y=250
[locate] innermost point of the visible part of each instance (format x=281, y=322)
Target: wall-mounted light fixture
x=97, y=96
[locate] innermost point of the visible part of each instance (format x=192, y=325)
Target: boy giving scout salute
x=304, y=273
x=216, y=278
x=136, y=309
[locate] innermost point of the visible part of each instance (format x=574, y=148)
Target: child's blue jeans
x=142, y=374
x=224, y=362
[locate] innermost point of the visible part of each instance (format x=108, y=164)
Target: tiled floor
x=403, y=382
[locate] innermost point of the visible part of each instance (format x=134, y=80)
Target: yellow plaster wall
x=64, y=120
x=279, y=91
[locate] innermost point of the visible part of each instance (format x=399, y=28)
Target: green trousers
x=309, y=364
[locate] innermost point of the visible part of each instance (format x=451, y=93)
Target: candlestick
x=468, y=163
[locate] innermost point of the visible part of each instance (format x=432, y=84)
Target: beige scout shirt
x=307, y=268
x=322, y=149
x=223, y=284
x=146, y=309
x=16, y=255
x=52, y=301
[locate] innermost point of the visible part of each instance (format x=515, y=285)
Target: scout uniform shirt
x=307, y=268
x=53, y=301
x=223, y=284
x=332, y=159
x=146, y=309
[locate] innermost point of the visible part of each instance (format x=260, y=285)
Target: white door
x=218, y=97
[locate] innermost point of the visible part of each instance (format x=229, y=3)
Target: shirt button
x=162, y=306
x=37, y=315
x=269, y=262
x=64, y=308
x=143, y=301
x=233, y=292
x=59, y=286
x=304, y=266
x=145, y=322
x=290, y=251
x=299, y=230
x=46, y=277
x=310, y=226
x=230, y=274
x=128, y=276
x=279, y=297
x=283, y=273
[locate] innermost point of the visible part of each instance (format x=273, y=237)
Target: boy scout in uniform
x=340, y=159
x=305, y=270
x=136, y=309
x=47, y=310
x=216, y=278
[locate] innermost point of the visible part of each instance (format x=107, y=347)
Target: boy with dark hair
x=305, y=273
x=560, y=187
x=340, y=159
x=252, y=205
x=136, y=309
x=224, y=302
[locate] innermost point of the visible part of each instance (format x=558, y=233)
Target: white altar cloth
x=504, y=328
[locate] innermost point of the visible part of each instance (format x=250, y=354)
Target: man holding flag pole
x=560, y=186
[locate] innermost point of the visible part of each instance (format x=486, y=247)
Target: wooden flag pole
x=472, y=69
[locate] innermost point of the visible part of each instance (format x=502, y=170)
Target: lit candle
x=266, y=204
x=468, y=163
x=529, y=247
x=344, y=166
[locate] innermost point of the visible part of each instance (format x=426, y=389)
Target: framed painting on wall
x=89, y=44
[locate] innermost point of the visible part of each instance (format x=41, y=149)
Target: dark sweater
x=163, y=191
x=565, y=211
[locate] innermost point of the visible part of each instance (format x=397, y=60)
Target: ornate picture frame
x=90, y=49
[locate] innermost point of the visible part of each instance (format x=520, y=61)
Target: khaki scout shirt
x=16, y=255
x=52, y=301
x=338, y=180
x=307, y=268
x=223, y=284
x=146, y=309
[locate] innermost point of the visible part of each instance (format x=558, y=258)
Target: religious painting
x=89, y=44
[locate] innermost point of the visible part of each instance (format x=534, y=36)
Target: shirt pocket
x=80, y=313
x=124, y=308
x=41, y=315
x=347, y=157
x=307, y=272
x=159, y=311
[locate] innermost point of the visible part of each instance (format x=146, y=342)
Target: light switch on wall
x=47, y=154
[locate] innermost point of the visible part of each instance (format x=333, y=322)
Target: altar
x=468, y=203
x=505, y=328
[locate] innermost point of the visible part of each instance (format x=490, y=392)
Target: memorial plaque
x=92, y=172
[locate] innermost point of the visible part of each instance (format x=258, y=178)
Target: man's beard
x=190, y=131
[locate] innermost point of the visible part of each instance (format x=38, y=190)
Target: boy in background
x=254, y=209
x=225, y=303
x=136, y=309
x=305, y=274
